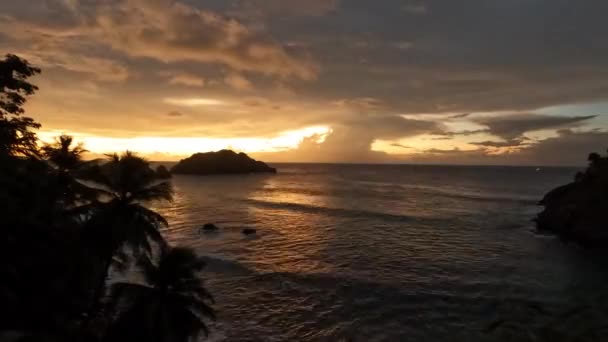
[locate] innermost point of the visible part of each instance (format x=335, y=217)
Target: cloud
x=54, y=56
x=568, y=148
x=415, y=8
x=431, y=151
x=459, y=116
x=291, y=7
x=184, y=79
x=174, y=114
x=400, y=145
x=471, y=56
x=359, y=103
x=402, y=45
x=165, y=30
x=498, y=144
x=351, y=140
x=172, y=31
x=193, y=101
x=371, y=67
x=513, y=126
x=238, y=82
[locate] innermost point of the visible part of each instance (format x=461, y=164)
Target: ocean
x=379, y=252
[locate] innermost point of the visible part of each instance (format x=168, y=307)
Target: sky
x=517, y=82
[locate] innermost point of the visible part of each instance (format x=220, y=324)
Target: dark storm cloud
x=472, y=55
x=287, y=7
x=513, y=126
x=507, y=143
x=459, y=116
x=569, y=148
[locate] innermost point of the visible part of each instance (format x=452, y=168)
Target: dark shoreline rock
x=209, y=227
x=162, y=172
x=578, y=211
x=248, y=231
x=221, y=162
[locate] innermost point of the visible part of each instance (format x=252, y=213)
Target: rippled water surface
x=375, y=253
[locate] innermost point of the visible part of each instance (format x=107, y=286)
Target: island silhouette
x=220, y=162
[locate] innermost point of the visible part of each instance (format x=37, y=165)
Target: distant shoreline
x=171, y=163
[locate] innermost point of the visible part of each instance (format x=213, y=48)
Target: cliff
x=577, y=211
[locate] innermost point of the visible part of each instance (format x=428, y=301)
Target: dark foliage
x=169, y=307
x=16, y=135
x=67, y=222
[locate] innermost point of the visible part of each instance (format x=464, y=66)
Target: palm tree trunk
x=96, y=304
x=101, y=284
x=160, y=335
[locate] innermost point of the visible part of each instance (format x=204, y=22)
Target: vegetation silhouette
x=118, y=218
x=576, y=211
x=16, y=135
x=170, y=307
x=67, y=224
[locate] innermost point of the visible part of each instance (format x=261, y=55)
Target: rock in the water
x=209, y=227
x=249, y=231
x=221, y=162
x=162, y=172
x=577, y=211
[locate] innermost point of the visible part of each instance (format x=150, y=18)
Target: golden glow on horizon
x=421, y=144
x=193, y=101
x=178, y=146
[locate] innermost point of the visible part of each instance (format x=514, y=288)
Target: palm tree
x=119, y=218
x=62, y=155
x=170, y=307
x=65, y=159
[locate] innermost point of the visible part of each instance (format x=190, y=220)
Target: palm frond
x=201, y=309
x=150, y=216
x=159, y=191
x=126, y=294
x=185, y=322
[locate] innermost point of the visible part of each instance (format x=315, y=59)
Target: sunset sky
x=385, y=81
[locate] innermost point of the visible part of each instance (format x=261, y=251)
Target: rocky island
x=577, y=211
x=221, y=162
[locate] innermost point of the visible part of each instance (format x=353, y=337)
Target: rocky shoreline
x=577, y=211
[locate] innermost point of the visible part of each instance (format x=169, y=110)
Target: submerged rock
x=578, y=211
x=162, y=172
x=249, y=231
x=209, y=227
x=221, y=162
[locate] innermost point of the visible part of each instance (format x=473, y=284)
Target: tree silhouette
x=63, y=155
x=169, y=307
x=66, y=222
x=16, y=135
x=119, y=218
x=65, y=159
